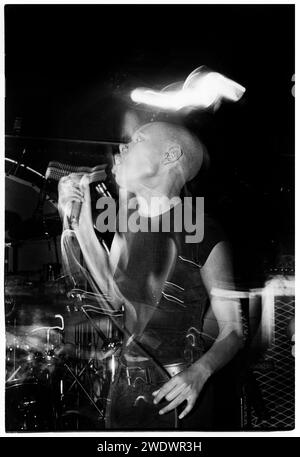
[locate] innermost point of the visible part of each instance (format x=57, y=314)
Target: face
x=139, y=160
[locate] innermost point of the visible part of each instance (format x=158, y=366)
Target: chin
x=126, y=180
x=124, y=184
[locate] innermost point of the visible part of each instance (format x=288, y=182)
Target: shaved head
x=192, y=149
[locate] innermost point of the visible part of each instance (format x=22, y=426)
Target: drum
x=29, y=407
x=32, y=222
x=17, y=356
x=24, y=197
x=75, y=420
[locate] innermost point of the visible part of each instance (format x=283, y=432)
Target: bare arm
x=218, y=280
x=76, y=188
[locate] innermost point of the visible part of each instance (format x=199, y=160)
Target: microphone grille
x=57, y=170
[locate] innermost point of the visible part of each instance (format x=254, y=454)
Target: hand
x=69, y=192
x=75, y=188
x=186, y=385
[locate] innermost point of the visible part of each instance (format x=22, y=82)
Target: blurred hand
x=69, y=192
x=75, y=188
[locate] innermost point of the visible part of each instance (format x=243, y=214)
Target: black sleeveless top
x=160, y=275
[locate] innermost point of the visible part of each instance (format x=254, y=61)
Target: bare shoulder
x=217, y=270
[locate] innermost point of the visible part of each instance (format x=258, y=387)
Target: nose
x=123, y=148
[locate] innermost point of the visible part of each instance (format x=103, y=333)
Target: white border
x=142, y=434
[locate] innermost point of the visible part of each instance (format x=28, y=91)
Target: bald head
x=192, y=150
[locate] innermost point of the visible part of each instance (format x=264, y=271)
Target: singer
x=165, y=374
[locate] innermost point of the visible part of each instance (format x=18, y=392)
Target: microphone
x=75, y=214
x=57, y=170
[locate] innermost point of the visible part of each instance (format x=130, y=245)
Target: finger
x=73, y=198
x=175, y=392
x=69, y=188
x=155, y=392
x=187, y=409
x=77, y=199
x=63, y=180
x=75, y=194
x=75, y=177
x=173, y=404
x=164, y=390
x=67, y=181
x=84, y=182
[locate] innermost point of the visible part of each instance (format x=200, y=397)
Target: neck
x=155, y=201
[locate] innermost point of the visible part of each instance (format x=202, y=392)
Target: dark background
x=70, y=69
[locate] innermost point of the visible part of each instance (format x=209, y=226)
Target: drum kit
x=61, y=347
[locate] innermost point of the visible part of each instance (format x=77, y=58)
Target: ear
x=172, y=154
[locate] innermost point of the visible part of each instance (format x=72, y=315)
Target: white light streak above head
x=202, y=89
x=130, y=124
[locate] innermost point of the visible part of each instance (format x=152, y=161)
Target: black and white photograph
x=149, y=267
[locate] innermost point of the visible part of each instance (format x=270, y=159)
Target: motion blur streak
x=202, y=89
